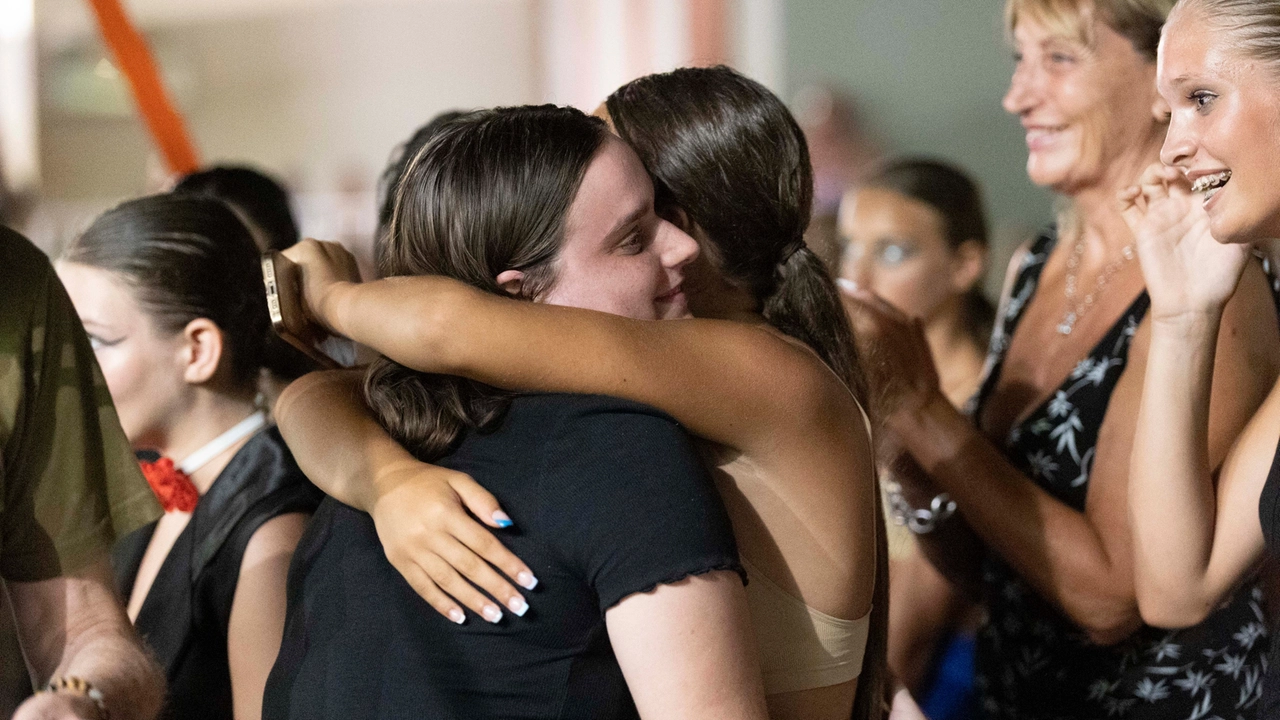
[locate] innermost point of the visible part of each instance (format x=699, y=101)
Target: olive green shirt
x=69, y=483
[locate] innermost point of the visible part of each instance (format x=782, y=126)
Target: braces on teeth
x=1211, y=181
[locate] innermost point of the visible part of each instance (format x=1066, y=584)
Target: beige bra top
x=801, y=648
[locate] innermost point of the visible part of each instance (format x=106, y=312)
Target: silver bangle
x=920, y=521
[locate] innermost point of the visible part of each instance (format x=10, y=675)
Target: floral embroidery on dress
x=1035, y=664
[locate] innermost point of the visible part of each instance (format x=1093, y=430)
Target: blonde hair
x=1254, y=25
x=1139, y=21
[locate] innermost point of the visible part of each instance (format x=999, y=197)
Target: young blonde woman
x=764, y=377
x=1201, y=527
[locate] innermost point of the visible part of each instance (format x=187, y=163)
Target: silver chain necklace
x=1077, y=309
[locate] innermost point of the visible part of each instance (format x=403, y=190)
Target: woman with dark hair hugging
x=170, y=291
x=765, y=379
x=641, y=611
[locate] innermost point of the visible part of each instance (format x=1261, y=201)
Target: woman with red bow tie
x=168, y=288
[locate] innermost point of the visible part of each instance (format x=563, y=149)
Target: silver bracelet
x=920, y=521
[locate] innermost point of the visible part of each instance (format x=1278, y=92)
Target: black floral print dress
x=1033, y=663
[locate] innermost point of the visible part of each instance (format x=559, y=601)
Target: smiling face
x=1224, y=130
x=897, y=248
x=618, y=256
x=143, y=366
x=1086, y=109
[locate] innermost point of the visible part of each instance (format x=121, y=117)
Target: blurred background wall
x=927, y=77
x=319, y=91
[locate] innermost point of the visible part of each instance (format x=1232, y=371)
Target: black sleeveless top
x=1269, y=514
x=1032, y=661
x=184, y=618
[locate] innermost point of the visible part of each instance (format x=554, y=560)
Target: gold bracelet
x=71, y=685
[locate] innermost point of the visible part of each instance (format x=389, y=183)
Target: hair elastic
x=795, y=247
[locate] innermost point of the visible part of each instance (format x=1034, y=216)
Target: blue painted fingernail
x=502, y=520
x=457, y=616
x=527, y=580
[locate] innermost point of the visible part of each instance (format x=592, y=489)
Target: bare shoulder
x=310, y=382
x=810, y=388
x=820, y=411
x=276, y=537
x=796, y=355
x=1250, y=319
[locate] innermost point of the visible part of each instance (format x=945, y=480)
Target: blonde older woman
x=1040, y=485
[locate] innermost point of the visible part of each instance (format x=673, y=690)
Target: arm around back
x=420, y=510
x=438, y=325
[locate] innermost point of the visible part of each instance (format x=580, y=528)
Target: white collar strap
x=219, y=445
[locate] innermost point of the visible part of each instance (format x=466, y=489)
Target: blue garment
x=950, y=693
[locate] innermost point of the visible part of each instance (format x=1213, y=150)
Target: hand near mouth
x=1189, y=275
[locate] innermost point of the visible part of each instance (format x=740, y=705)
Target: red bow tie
x=172, y=487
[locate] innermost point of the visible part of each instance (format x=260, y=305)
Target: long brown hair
x=727, y=152
x=488, y=193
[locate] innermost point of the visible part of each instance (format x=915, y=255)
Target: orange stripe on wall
x=134, y=59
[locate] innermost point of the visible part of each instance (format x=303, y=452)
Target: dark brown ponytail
x=805, y=304
x=489, y=192
x=728, y=153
